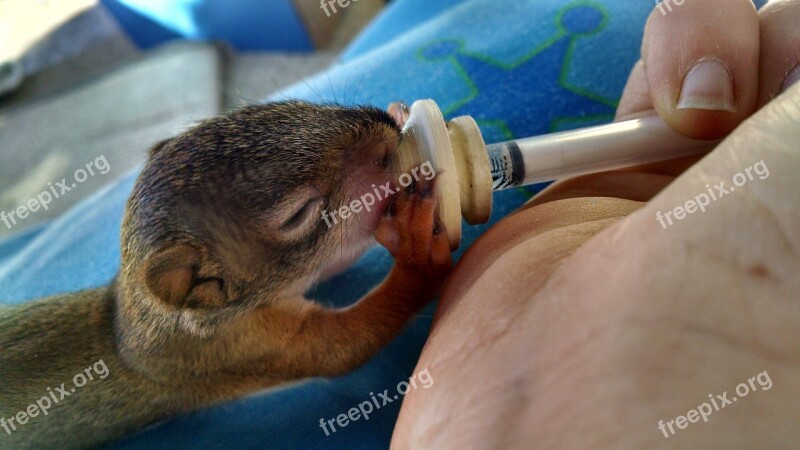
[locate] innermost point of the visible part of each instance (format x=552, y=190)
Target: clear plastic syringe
x=565, y=154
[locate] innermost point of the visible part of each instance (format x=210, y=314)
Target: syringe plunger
x=567, y=154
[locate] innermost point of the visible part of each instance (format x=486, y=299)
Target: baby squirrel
x=222, y=235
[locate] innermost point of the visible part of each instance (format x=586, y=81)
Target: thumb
x=699, y=67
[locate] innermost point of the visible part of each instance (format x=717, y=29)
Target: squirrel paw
x=413, y=234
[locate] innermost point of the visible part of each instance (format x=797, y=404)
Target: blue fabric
x=245, y=24
x=79, y=250
x=520, y=67
x=393, y=21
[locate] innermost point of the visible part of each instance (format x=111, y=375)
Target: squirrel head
x=236, y=211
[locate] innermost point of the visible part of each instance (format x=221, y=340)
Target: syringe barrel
x=570, y=153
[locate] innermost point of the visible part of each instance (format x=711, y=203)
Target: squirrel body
x=221, y=238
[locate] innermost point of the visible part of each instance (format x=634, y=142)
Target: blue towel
x=244, y=24
x=520, y=67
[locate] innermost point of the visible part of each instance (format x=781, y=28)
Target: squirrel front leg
x=325, y=342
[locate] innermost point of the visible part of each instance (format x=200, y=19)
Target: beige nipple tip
x=458, y=155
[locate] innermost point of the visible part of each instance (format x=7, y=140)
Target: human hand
x=581, y=322
x=707, y=66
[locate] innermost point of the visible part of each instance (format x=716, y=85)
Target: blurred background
x=84, y=78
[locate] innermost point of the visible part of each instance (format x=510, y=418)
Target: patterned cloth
x=520, y=67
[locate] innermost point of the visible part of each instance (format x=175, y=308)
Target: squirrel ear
x=171, y=275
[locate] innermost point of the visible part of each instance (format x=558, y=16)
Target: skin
x=591, y=322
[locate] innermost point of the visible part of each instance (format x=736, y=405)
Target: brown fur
x=208, y=304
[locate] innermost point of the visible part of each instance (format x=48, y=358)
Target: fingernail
x=708, y=85
x=794, y=77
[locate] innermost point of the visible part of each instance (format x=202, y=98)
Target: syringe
x=566, y=154
x=468, y=170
